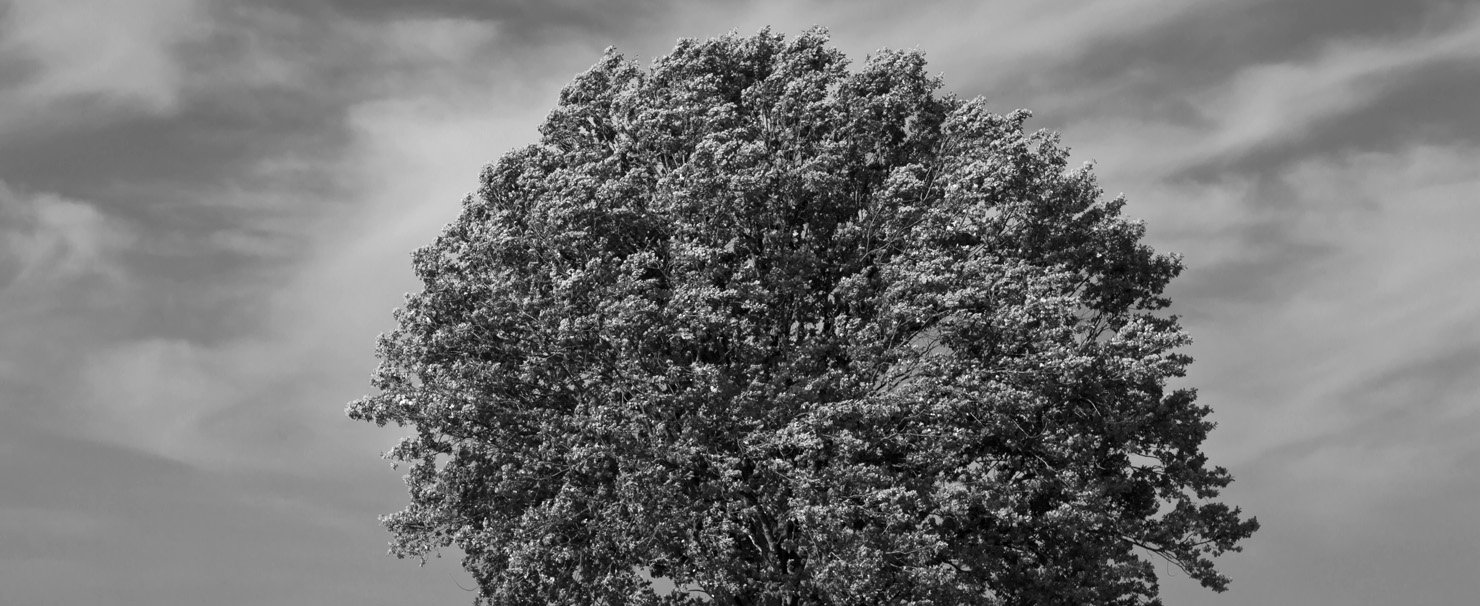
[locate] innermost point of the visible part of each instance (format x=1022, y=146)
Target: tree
x=789, y=334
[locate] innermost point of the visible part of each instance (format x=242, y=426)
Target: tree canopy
x=786, y=333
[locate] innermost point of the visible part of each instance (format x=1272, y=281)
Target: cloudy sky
x=206, y=210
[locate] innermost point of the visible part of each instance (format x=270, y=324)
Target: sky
x=207, y=210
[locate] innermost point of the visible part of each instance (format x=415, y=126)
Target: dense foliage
x=789, y=334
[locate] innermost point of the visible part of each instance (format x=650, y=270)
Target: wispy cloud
x=49, y=240
x=1272, y=104
x=119, y=55
x=1261, y=109
x=157, y=396
x=1366, y=368
x=412, y=149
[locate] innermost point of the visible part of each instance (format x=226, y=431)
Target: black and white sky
x=206, y=210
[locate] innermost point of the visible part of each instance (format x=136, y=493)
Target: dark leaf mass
x=783, y=333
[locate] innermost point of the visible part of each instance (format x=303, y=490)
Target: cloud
x=49, y=240
x=331, y=56
x=1359, y=377
x=120, y=53
x=60, y=270
x=529, y=21
x=1338, y=344
x=272, y=397
x=1270, y=104
x=57, y=256
x=153, y=395
x=1253, y=118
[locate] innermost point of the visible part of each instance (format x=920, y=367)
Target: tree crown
x=786, y=333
